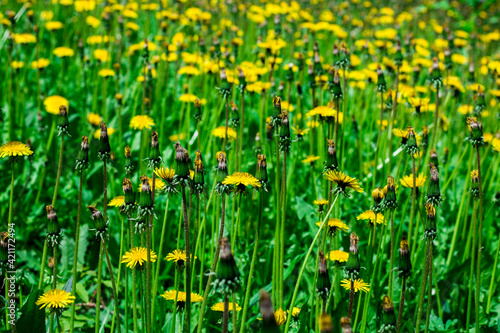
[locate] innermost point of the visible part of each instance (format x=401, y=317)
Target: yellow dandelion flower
x=178, y=257
x=166, y=174
x=101, y=55
x=24, y=38
x=159, y=184
x=310, y=159
x=189, y=70
x=220, y=132
x=97, y=133
x=63, y=51
x=40, y=63
x=240, y=181
x=320, y=202
x=188, y=98
x=117, y=201
x=55, y=299
x=172, y=295
x=407, y=181
x=496, y=144
x=343, y=181
x=106, y=72
x=94, y=119
x=370, y=215
x=94, y=22
x=359, y=284
x=334, y=225
x=141, y=122
x=280, y=316
x=295, y=312
x=300, y=132
x=287, y=106
x=14, y=148
x=17, y=64
x=137, y=256
x=338, y=256
x=52, y=104
x=219, y=307
x=54, y=25
x=177, y=137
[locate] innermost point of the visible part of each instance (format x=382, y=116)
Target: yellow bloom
x=52, y=104
x=465, y=109
x=40, y=63
x=178, y=257
x=141, y=122
x=325, y=111
x=370, y=215
x=14, y=148
x=84, y=5
x=24, y=38
x=334, y=225
x=338, y=256
x=46, y=15
x=63, y=51
x=320, y=202
x=300, y=132
x=137, y=255
x=167, y=174
x=17, y=64
x=54, y=25
x=93, y=21
x=94, y=119
x=189, y=70
x=295, y=312
x=187, y=98
x=310, y=159
x=496, y=144
x=220, y=132
x=343, y=181
x=117, y=201
x=358, y=285
x=287, y=106
x=177, y=137
x=132, y=26
x=101, y=55
x=407, y=181
x=105, y=72
x=97, y=133
x=180, y=296
x=240, y=180
x=219, y=307
x=55, y=299
x=159, y=184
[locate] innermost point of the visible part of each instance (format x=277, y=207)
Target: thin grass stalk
x=393, y=115
x=436, y=116
x=391, y=266
x=75, y=256
x=252, y=265
x=302, y=269
x=471, y=273
x=429, y=294
x=423, y=286
x=187, y=320
x=214, y=265
x=479, y=239
x=160, y=255
x=282, y=232
x=227, y=120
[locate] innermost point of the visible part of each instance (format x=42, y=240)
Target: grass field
x=250, y=166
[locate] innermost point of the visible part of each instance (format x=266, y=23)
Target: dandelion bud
x=381, y=84
x=128, y=191
x=266, y=309
x=228, y=276
x=390, y=202
x=4, y=245
x=53, y=229
x=434, y=195
x=335, y=53
x=430, y=226
x=475, y=184
x=480, y=103
x=243, y=83
x=398, y=56
x=261, y=173
x=199, y=174
x=119, y=98
x=425, y=137
x=325, y=323
x=299, y=88
x=129, y=167
x=470, y=76
x=447, y=59
x=82, y=161
x=404, y=258
x=411, y=146
x=476, y=132
x=181, y=163
x=323, y=283
x=154, y=160
x=284, y=133
x=331, y=157
x=336, y=90
x=221, y=174
x=289, y=73
x=101, y=226
x=353, y=266
x=224, y=89
x=63, y=123
x=345, y=323
x=378, y=196
x=436, y=78
x=388, y=316
x=311, y=78
x=104, y=149
x=434, y=157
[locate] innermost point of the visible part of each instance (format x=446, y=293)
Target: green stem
x=429, y=294
x=113, y=285
x=422, y=288
x=187, y=320
x=401, y=305
x=98, y=293
x=302, y=269
x=59, y=168
x=160, y=255
x=75, y=256
x=479, y=240
x=392, y=255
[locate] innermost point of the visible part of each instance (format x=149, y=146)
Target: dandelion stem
x=393, y=115
x=423, y=285
x=302, y=269
x=75, y=256
x=351, y=299
x=158, y=263
x=187, y=320
x=471, y=273
x=436, y=116
x=429, y=291
x=225, y=317
x=392, y=256
x=227, y=120
x=214, y=265
x=98, y=293
x=479, y=239
x=174, y=310
x=113, y=285
x=401, y=305
x=413, y=198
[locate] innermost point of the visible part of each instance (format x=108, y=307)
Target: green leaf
x=32, y=318
x=82, y=293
